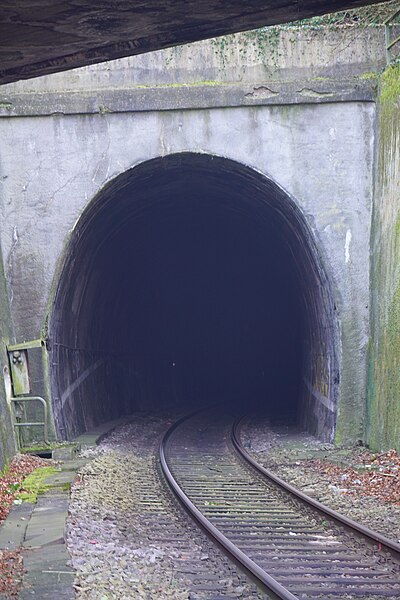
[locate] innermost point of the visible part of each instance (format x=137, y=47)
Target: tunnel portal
x=193, y=280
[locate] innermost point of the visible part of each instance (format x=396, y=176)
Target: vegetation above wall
x=266, y=41
x=366, y=16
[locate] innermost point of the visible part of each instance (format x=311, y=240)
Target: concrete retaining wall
x=383, y=425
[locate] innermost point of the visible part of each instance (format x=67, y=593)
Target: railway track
x=127, y=536
x=291, y=545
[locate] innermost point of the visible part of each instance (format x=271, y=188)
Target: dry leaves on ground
x=378, y=476
x=10, y=483
x=11, y=572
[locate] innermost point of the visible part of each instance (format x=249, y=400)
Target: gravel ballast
x=354, y=481
x=128, y=538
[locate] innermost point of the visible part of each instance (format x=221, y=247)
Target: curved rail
x=384, y=543
x=243, y=529
x=263, y=579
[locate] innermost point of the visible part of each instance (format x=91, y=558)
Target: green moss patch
x=390, y=86
x=35, y=484
x=41, y=448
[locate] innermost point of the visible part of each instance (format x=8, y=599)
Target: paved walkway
x=39, y=529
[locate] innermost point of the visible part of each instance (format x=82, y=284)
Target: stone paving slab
x=49, y=558
x=62, y=478
x=47, y=523
x=48, y=574
x=46, y=590
x=12, y=532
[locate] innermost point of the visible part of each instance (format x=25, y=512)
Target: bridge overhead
x=38, y=38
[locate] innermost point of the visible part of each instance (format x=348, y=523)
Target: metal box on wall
x=19, y=366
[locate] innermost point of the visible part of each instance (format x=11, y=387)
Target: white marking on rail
x=325, y=542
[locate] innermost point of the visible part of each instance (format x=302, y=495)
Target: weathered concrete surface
x=383, y=425
x=279, y=55
x=320, y=152
x=7, y=441
x=39, y=38
x=295, y=66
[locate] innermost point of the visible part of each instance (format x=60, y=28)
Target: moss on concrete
x=35, y=484
x=383, y=422
x=38, y=448
x=390, y=90
x=370, y=75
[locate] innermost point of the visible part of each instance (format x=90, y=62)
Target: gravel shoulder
x=361, y=484
x=128, y=539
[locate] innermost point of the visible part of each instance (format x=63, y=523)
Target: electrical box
x=19, y=367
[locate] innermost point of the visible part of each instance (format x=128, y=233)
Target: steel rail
x=384, y=543
x=261, y=577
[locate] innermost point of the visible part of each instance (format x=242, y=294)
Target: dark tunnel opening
x=192, y=280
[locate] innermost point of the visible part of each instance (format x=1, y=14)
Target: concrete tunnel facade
x=192, y=279
x=243, y=218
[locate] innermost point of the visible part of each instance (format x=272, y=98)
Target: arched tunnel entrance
x=192, y=280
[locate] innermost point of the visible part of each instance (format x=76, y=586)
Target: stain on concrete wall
x=383, y=425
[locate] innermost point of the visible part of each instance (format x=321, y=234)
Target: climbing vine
x=263, y=43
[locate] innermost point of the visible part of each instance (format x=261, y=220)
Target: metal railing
x=17, y=424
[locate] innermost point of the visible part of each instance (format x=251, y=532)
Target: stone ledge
x=187, y=97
